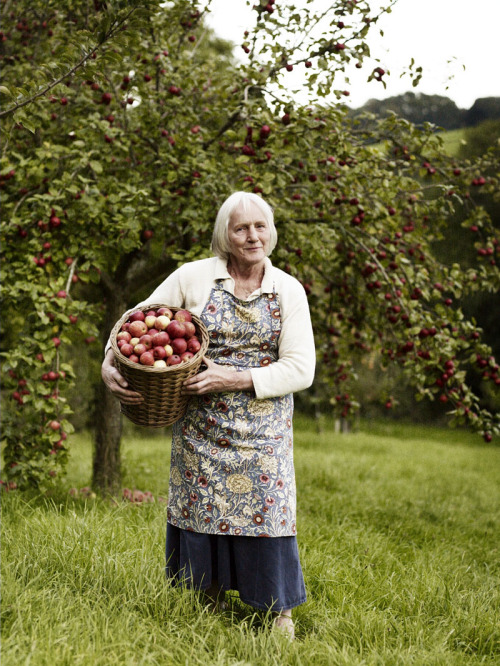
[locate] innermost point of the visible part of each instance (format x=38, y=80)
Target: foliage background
x=125, y=125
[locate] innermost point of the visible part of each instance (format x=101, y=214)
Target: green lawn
x=452, y=140
x=399, y=539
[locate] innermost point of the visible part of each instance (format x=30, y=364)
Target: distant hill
x=437, y=109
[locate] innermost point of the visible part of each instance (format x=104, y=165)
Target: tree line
x=436, y=109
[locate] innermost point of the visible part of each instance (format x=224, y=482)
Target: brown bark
x=106, y=464
x=106, y=470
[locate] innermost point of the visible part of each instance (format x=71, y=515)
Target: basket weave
x=160, y=387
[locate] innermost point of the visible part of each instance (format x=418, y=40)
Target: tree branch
x=111, y=33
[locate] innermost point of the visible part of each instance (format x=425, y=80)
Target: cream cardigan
x=190, y=286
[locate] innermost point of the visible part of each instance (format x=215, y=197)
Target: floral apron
x=231, y=466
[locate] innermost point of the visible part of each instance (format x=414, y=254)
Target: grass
x=398, y=533
x=452, y=140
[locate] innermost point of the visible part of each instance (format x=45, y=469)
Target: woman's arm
x=294, y=370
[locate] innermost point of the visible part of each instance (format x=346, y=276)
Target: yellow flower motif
x=249, y=315
x=260, y=407
x=175, y=476
x=190, y=459
x=239, y=483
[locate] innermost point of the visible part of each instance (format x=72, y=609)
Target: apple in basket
x=159, y=338
x=182, y=315
x=137, y=328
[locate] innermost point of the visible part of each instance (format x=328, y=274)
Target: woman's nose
x=252, y=233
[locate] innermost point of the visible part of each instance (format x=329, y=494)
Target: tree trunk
x=106, y=468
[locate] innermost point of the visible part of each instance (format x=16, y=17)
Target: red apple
x=161, y=339
x=161, y=322
x=137, y=316
x=159, y=352
x=147, y=341
x=165, y=311
x=54, y=425
x=174, y=360
x=126, y=349
x=140, y=349
x=190, y=329
x=125, y=326
x=137, y=328
x=182, y=315
x=176, y=329
x=147, y=358
x=179, y=345
x=124, y=335
x=186, y=356
x=134, y=358
x=193, y=345
x=120, y=343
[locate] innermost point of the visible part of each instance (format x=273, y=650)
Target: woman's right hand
x=116, y=383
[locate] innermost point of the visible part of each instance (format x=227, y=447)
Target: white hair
x=220, y=238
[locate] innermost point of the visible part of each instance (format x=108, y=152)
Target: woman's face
x=249, y=236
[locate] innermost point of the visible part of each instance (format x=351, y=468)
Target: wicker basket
x=160, y=387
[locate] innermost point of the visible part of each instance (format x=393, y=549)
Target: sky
x=456, y=42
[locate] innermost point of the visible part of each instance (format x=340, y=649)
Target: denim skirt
x=265, y=571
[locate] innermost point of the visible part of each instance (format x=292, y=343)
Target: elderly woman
x=232, y=475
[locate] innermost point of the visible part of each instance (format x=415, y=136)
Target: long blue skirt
x=265, y=571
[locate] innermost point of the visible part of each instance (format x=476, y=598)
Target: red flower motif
x=294, y=529
x=265, y=361
x=223, y=527
x=223, y=442
x=185, y=512
x=222, y=406
x=211, y=308
x=258, y=519
x=264, y=478
x=202, y=480
x=270, y=501
x=280, y=484
x=265, y=346
x=188, y=474
x=193, y=497
x=208, y=520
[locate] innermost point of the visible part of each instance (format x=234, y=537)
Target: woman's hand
x=218, y=379
x=116, y=383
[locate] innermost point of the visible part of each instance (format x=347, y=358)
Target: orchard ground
x=398, y=533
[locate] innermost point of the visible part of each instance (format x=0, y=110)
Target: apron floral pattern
x=231, y=468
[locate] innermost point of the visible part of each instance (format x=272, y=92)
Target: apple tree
x=125, y=125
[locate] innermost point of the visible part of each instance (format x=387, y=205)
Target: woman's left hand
x=217, y=379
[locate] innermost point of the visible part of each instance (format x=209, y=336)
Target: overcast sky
x=443, y=36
